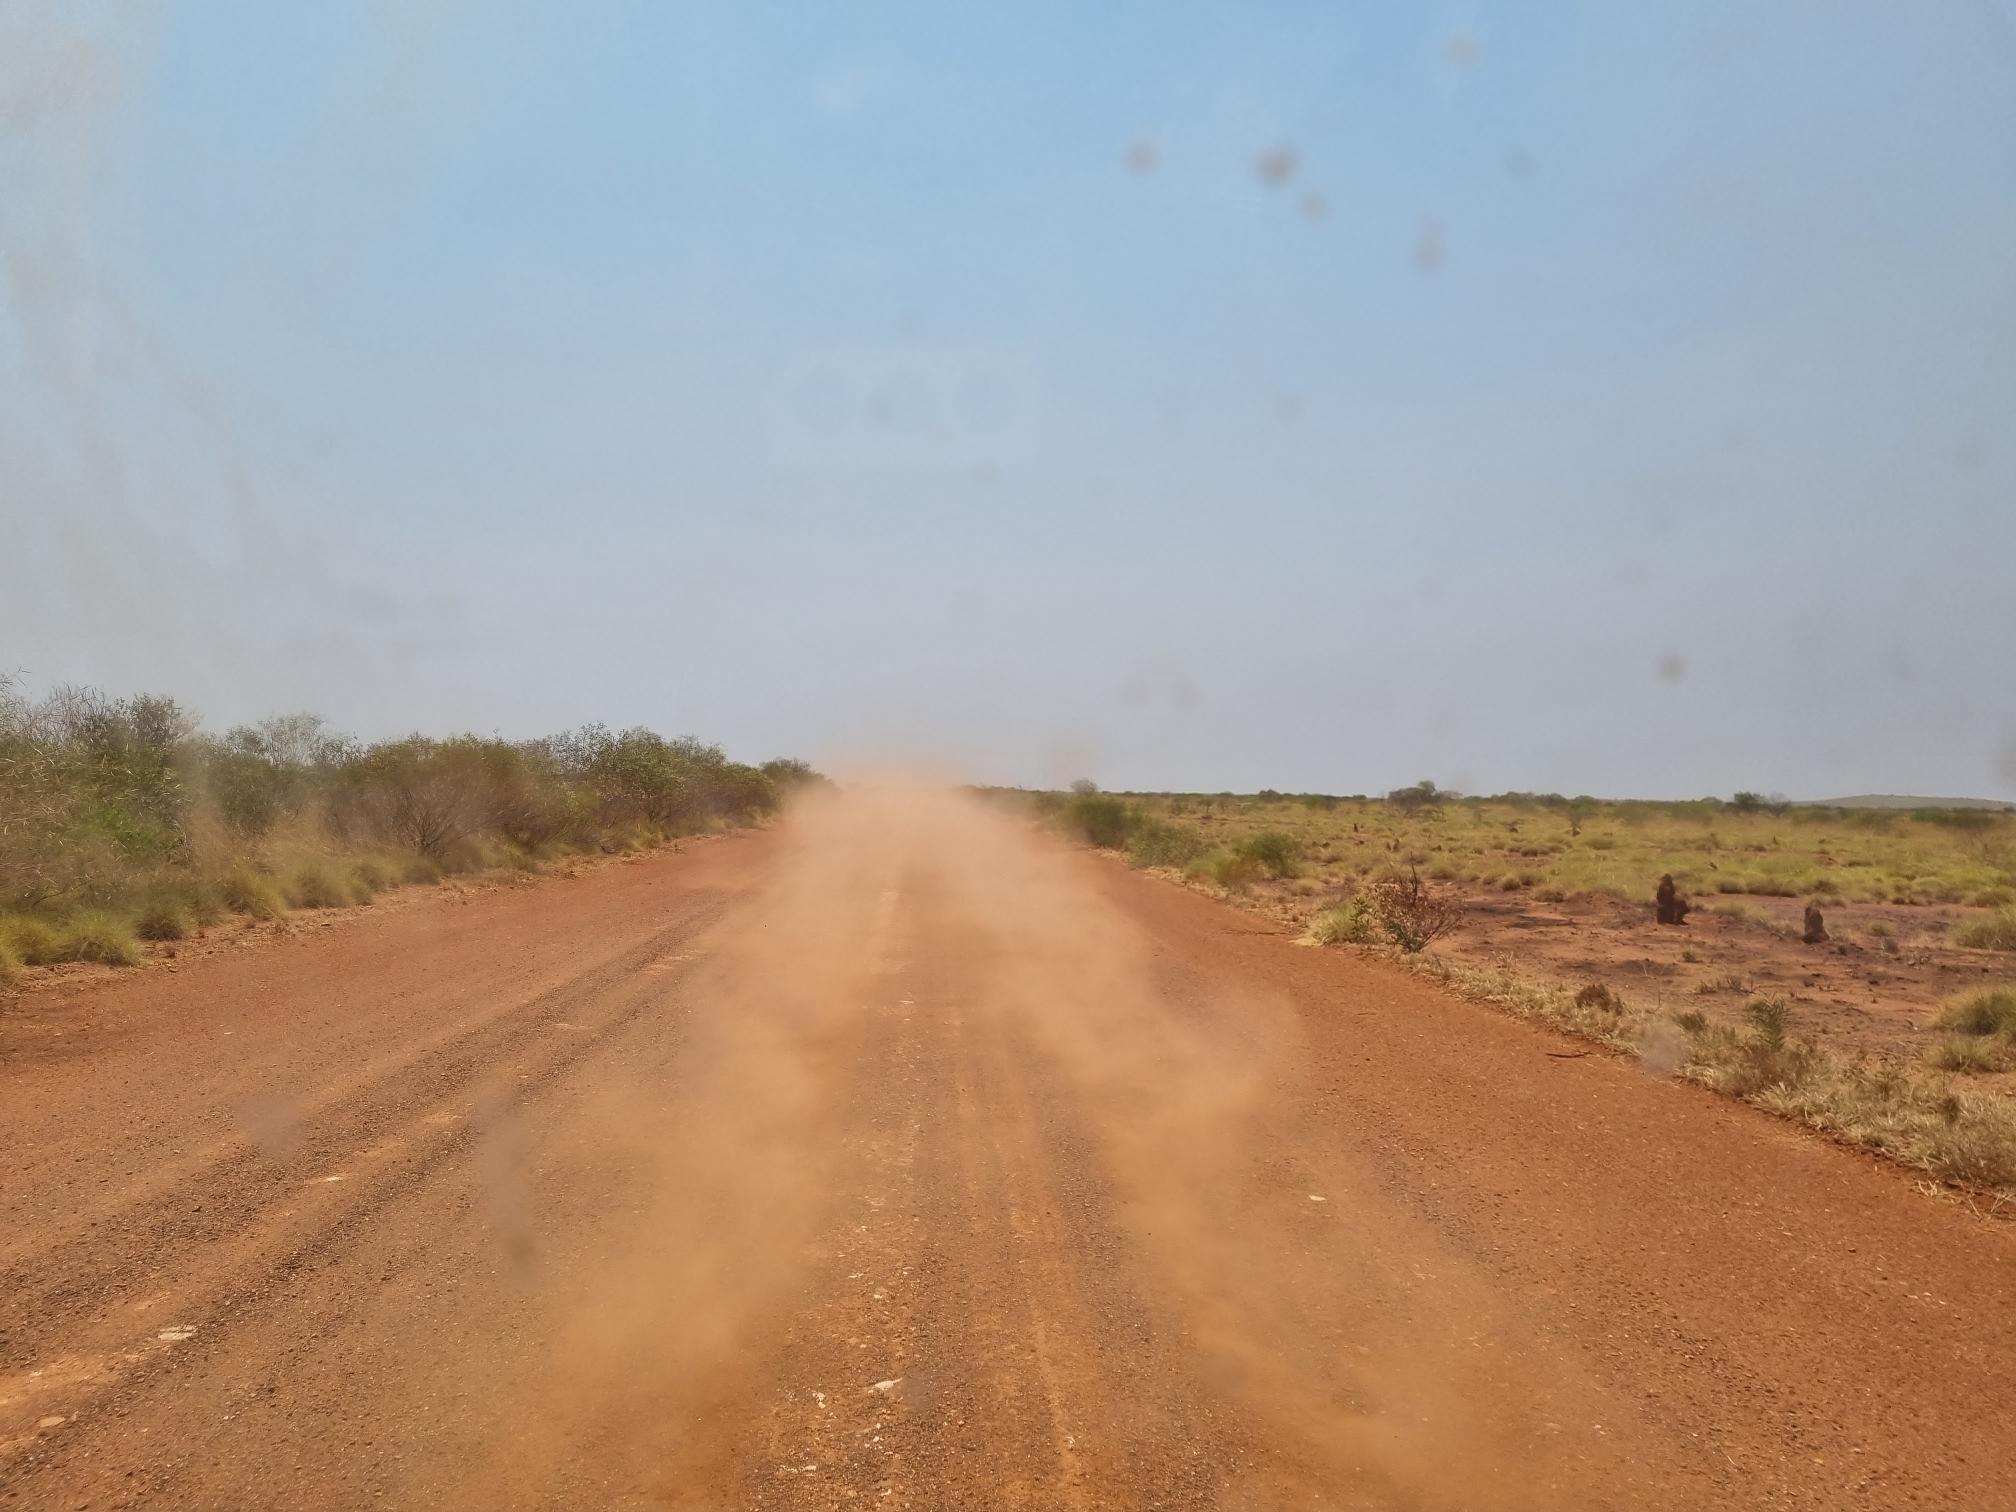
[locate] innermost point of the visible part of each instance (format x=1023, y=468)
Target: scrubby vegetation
x=1356, y=865
x=1987, y=1010
x=122, y=821
x=1965, y=1138
x=1559, y=848
x=1995, y=931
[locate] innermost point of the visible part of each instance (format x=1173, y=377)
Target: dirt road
x=896, y=1159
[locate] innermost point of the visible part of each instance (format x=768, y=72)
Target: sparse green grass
x=10, y=964
x=1621, y=849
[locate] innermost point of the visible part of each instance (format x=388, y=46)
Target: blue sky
x=1595, y=398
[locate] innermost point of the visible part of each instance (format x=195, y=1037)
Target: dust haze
x=911, y=934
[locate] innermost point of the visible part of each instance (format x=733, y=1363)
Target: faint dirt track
x=897, y=1158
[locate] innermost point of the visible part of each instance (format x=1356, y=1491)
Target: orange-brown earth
x=897, y=1158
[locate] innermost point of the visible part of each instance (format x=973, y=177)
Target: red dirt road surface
x=899, y=1159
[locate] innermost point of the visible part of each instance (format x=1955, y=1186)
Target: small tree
x=1411, y=911
x=1421, y=795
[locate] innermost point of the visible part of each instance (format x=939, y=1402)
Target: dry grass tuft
x=101, y=937
x=246, y=892
x=1995, y=931
x=1350, y=923
x=1986, y=1010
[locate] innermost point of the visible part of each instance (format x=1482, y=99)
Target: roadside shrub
x=102, y=938
x=1761, y=1064
x=10, y=964
x=1351, y=923
x=246, y=892
x=1099, y=818
x=162, y=919
x=422, y=870
x=1986, y=1010
x=1153, y=842
x=35, y=941
x=421, y=794
x=1273, y=852
x=1598, y=995
x=1693, y=1021
x=1412, y=913
x=204, y=900
x=369, y=877
x=102, y=800
x=1995, y=931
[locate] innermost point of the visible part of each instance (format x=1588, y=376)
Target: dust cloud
x=1300, y=1342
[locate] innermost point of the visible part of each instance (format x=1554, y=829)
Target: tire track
x=242, y=1224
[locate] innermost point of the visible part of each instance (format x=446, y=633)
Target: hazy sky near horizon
x=1578, y=397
